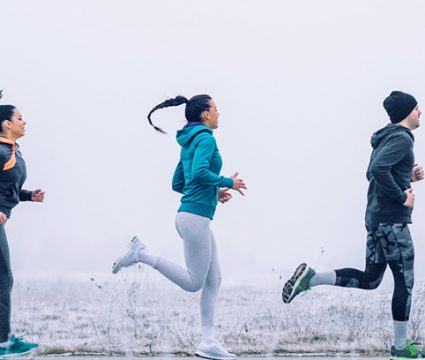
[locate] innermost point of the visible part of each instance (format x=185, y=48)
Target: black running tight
x=6, y=283
x=372, y=277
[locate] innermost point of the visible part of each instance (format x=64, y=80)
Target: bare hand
x=3, y=218
x=224, y=195
x=238, y=184
x=410, y=201
x=417, y=173
x=37, y=195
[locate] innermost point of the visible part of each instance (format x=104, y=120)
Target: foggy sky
x=299, y=86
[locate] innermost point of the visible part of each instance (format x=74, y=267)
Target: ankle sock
x=400, y=334
x=147, y=257
x=208, y=334
x=324, y=278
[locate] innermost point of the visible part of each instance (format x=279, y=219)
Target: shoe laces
x=412, y=348
x=18, y=339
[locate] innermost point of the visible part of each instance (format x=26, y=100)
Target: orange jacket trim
x=12, y=161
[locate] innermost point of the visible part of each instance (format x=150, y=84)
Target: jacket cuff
x=403, y=198
x=25, y=195
x=228, y=182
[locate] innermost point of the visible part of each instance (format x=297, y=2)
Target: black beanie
x=398, y=105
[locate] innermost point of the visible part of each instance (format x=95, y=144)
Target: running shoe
x=299, y=282
x=16, y=347
x=410, y=351
x=130, y=257
x=213, y=351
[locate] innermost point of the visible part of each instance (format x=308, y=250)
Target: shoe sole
x=117, y=264
x=201, y=354
x=299, y=274
x=18, y=355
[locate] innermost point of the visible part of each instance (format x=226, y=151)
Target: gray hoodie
x=389, y=175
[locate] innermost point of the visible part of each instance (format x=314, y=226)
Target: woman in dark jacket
x=12, y=177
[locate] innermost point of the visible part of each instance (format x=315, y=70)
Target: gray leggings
x=6, y=283
x=203, y=270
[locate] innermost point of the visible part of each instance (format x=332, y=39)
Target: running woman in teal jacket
x=197, y=177
x=12, y=177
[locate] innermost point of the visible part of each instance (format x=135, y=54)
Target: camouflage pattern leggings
x=387, y=244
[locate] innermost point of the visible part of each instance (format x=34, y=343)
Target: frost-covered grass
x=131, y=316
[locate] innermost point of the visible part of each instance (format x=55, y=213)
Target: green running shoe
x=16, y=347
x=299, y=282
x=410, y=351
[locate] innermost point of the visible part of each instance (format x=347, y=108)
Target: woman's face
x=210, y=117
x=16, y=125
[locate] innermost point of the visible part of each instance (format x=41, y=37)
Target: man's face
x=413, y=118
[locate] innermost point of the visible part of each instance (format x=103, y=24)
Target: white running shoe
x=213, y=351
x=130, y=257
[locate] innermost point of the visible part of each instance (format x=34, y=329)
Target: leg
x=375, y=267
x=6, y=283
x=305, y=277
x=398, y=247
x=368, y=279
x=211, y=287
x=208, y=347
x=9, y=343
x=195, y=232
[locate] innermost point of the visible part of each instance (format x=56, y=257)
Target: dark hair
x=6, y=112
x=194, y=108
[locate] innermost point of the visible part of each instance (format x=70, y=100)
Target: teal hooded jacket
x=197, y=175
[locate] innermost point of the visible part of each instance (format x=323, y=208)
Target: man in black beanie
x=389, y=207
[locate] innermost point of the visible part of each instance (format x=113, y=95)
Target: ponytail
x=178, y=100
x=194, y=108
x=6, y=112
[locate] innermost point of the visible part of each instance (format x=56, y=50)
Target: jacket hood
x=388, y=130
x=185, y=135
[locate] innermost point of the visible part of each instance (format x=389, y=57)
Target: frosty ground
x=172, y=357
x=132, y=317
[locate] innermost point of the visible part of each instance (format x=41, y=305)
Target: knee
x=219, y=280
x=373, y=285
x=195, y=286
x=214, y=282
x=6, y=282
x=11, y=281
x=374, y=282
x=373, y=278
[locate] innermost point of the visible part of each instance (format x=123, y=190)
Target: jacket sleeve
x=390, y=154
x=178, y=178
x=201, y=162
x=25, y=195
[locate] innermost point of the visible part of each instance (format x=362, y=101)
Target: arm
x=178, y=178
x=201, y=163
x=380, y=168
x=36, y=195
x=25, y=195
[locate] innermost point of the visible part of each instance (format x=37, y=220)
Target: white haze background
x=299, y=86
